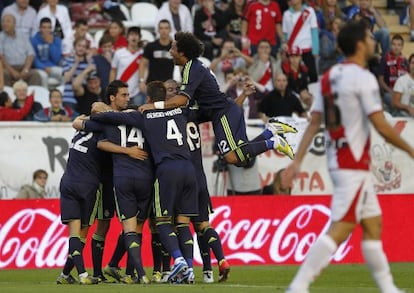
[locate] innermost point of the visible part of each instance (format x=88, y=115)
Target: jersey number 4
x=173, y=133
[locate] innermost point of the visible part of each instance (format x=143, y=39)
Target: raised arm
x=134, y=152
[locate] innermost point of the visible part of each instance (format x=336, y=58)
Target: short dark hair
x=45, y=20
x=53, y=91
x=4, y=97
x=39, y=172
x=156, y=90
x=106, y=39
x=397, y=37
x=134, y=29
x=410, y=58
x=189, y=45
x=349, y=36
x=112, y=89
x=164, y=21
x=80, y=22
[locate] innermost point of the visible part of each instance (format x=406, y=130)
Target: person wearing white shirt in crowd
x=300, y=28
x=125, y=65
x=403, y=93
x=25, y=16
x=177, y=14
x=61, y=23
x=80, y=30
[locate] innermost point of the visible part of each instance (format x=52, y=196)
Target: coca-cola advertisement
x=254, y=230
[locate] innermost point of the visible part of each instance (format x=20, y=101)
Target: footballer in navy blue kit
x=78, y=188
x=175, y=187
x=200, y=84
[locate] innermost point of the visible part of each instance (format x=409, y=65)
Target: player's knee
x=372, y=228
x=201, y=226
x=102, y=227
x=182, y=219
x=163, y=220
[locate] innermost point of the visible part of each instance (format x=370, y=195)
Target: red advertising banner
x=254, y=230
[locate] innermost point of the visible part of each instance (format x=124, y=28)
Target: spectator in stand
x=403, y=94
x=329, y=53
x=20, y=91
x=264, y=67
x=276, y=187
x=61, y=23
x=281, y=101
x=366, y=10
x=393, y=65
x=57, y=112
x=297, y=76
x=48, y=54
x=235, y=89
x=235, y=19
x=156, y=63
x=35, y=190
x=125, y=65
x=25, y=16
x=262, y=20
x=7, y=113
x=210, y=27
x=87, y=94
x=328, y=13
x=72, y=66
x=230, y=59
x=1, y=75
x=300, y=28
x=177, y=14
x=17, y=54
x=103, y=60
x=116, y=30
x=81, y=30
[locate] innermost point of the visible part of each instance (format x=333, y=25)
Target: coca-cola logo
x=286, y=239
x=23, y=239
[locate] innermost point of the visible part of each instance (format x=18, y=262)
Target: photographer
x=230, y=59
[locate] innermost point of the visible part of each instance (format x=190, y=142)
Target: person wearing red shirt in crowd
x=393, y=65
x=116, y=30
x=7, y=113
x=297, y=75
x=262, y=20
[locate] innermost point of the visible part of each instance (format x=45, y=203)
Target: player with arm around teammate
x=200, y=84
x=348, y=103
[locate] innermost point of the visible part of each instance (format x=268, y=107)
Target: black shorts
x=205, y=207
x=230, y=129
x=78, y=201
x=133, y=197
x=106, y=204
x=175, y=189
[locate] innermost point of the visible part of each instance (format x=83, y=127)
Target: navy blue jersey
x=200, y=84
x=123, y=165
x=194, y=138
x=84, y=162
x=165, y=130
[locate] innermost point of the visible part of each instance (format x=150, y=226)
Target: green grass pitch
x=257, y=279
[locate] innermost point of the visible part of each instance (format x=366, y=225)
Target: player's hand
x=146, y=107
x=137, y=153
x=99, y=107
x=289, y=174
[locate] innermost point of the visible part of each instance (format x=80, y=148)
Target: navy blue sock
x=129, y=266
x=133, y=245
x=75, y=251
x=97, y=248
x=166, y=259
x=213, y=240
x=266, y=134
x=186, y=242
x=204, y=252
x=119, y=252
x=156, y=252
x=169, y=239
x=69, y=262
x=252, y=149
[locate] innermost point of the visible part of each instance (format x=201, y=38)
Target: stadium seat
x=125, y=11
x=41, y=94
x=98, y=35
x=205, y=61
x=9, y=90
x=146, y=35
x=144, y=15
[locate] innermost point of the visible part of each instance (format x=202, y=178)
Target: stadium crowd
x=51, y=45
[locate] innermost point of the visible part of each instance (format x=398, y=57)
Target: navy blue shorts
x=205, y=207
x=133, y=197
x=230, y=129
x=175, y=189
x=106, y=204
x=78, y=201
